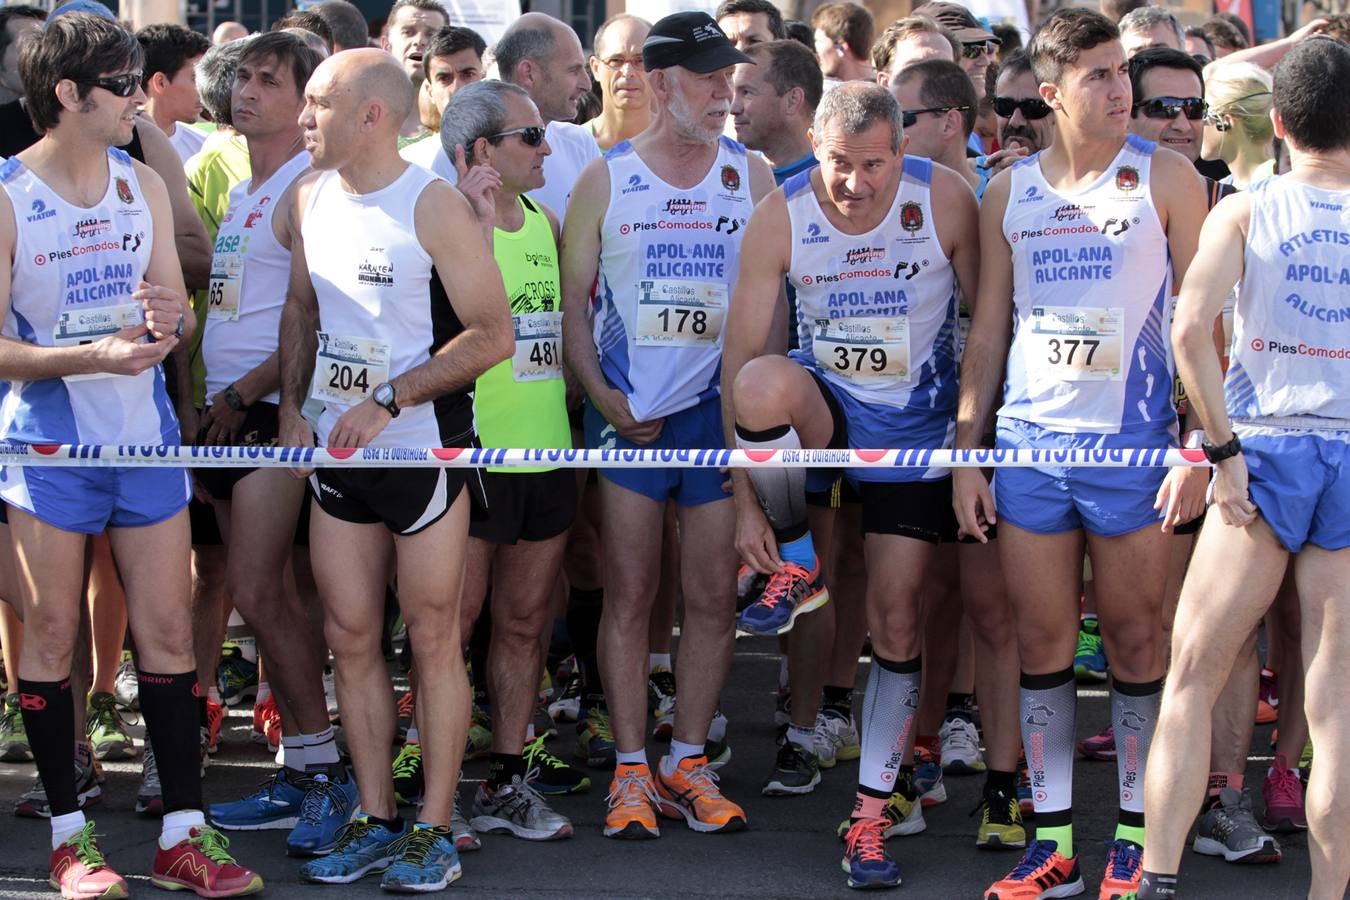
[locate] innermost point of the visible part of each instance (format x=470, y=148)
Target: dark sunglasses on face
x=119, y=85
x=978, y=48
x=530, y=135
x=1168, y=107
x=1032, y=108
x=910, y=116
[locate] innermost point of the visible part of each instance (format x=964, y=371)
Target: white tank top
x=75, y=269
x=876, y=312
x=249, y=272
x=1291, y=328
x=382, y=309
x=1092, y=282
x=668, y=261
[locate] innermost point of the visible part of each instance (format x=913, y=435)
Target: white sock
x=320, y=749
x=412, y=736
x=802, y=737
x=717, y=728
x=178, y=827
x=213, y=694
x=636, y=758
x=529, y=733
x=679, y=750
x=293, y=754
x=264, y=691
x=65, y=826
x=657, y=660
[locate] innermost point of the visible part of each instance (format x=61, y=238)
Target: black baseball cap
x=691, y=40
x=958, y=19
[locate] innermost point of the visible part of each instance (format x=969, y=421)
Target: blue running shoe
x=328, y=805
x=236, y=677
x=427, y=862
x=1089, y=660
x=362, y=848
x=788, y=594
x=928, y=783
x=866, y=861
x=275, y=804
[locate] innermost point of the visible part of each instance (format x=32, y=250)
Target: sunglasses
x=1168, y=107
x=530, y=135
x=120, y=85
x=979, y=48
x=910, y=116
x=618, y=62
x=1032, y=108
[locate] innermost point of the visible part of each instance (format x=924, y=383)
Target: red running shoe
x=215, y=716
x=202, y=864
x=80, y=872
x=1101, y=745
x=267, y=724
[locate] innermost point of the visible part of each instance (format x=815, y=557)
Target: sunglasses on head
x=1168, y=107
x=1032, y=108
x=910, y=116
x=976, y=49
x=119, y=85
x=530, y=135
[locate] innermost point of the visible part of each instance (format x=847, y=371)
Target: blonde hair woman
x=1238, y=129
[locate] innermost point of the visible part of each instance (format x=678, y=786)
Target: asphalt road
x=789, y=849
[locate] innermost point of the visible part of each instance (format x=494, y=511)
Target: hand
x=188, y=424
x=755, y=541
x=613, y=405
x=294, y=431
x=358, y=426
x=1316, y=26
x=1002, y=159
x=1230, y=492
x=1182, y=495
x=222, y=423
x=163, y=309
x=479, y=185
x=120, y=354
x=974, y=504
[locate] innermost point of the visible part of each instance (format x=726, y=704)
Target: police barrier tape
x=150, y=455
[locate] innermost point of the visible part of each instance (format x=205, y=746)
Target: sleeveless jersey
x=668, y=261
x=382, y=309
x=1092, y=282
x=249, y=272
x=1291, y=328
x=876, y=312
x=522, y=401
x=75, y=269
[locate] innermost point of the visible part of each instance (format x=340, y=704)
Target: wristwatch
x=384, y=396
x=233, y=400
x=178, y=330
x=1223, y=451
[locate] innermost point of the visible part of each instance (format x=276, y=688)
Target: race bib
x=1077, y=343
x=222, y=298
x=867, y=350
x=84, y=326
x=538, y=355
x=347, y=369
x=680, y=313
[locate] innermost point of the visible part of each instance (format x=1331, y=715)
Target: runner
x=368, y=284
x=1149, y=27
x=1277, y=487
x=171, y=56
x=661, y=218
x=85, y=358
x=453, y=59
x=750, y=22
x=843, y=37
x=1088, y=368
x=616, y=65
x=876, y=368
x=910, y=40
x=411, y=26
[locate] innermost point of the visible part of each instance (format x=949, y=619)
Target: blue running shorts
x=1296, y=479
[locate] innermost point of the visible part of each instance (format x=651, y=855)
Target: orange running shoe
x=80, y=872
x=202, y=864
x=632, y=804
x=692, y=793
x=267, y=724
x=215, y=715
x=1124, y=868
x=1043, y=872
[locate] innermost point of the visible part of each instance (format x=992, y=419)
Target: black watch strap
x=233, y=400
x=1222, y=451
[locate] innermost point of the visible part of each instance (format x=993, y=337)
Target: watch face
x=384, y=395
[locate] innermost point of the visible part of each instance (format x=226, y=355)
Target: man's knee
x=762, y=390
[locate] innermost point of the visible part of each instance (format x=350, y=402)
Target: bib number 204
x=344, y=377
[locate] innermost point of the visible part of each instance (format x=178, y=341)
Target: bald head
x=228, y=31
x=368, y=75
x=544, y=56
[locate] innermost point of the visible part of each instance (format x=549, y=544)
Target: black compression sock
x=48, y=710
x=1153, y=886
x=170, y=706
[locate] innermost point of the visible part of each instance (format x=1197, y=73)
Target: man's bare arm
x=194, y=249
x=298, y=340
x=986, y=355
x=579, y=262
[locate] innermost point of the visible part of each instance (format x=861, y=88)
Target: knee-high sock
x=1134, y=713
x=889, y=710
x=170, y=706
x=48, y=710
x=782, y=492
x=1048, y=706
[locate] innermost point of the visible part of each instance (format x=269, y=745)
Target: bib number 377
x=1076, y=343
x=347, y=369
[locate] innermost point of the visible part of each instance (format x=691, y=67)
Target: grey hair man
x=1148, y=27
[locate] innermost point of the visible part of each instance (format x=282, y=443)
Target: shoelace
x=631, y=790
x=664, y=682
x=702, y=782
x=521, y=797
x=997, y=808
x=865, y=840
x=83, y=843
x=779, y=587
x=312, y=808
x=415, y=846
x=351, y=833
x=1286, y=789
x=599, y=724
x=103, y=713
x=408, y=762
x=1125, y=861
x=962, y=737
x=536, y=757
x=405, y=706
x=823, y=729
x=213, y=844
x=1036, y=856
